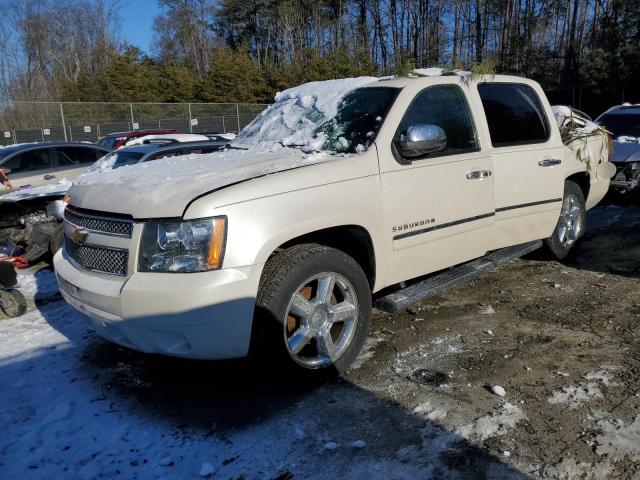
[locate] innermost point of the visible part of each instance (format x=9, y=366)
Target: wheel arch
x=352, y=239
x=583, y=180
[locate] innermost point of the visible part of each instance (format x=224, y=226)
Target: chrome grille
x=101, y=259
x=104, y=225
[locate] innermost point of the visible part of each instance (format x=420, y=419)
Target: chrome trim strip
x=531, y=204
x=444, y=225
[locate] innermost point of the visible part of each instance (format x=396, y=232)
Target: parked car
x=116, y=140
x=280, y=242
x=154, y=150
x=623, y=121
x=178, y=137
x=32, y=217
x=34, y=164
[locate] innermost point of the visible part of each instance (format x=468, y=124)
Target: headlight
x=189, y=246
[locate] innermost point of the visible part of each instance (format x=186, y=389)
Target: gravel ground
x=532, y=370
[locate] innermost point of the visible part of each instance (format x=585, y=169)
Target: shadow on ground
x=240, y=407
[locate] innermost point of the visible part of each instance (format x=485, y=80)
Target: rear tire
x=571, y=224
x=313, y=311
x=12, y=303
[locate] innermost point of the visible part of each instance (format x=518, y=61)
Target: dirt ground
x=561, y=339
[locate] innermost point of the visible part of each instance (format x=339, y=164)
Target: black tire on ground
x=282, y=278
x=12, y=303
x=555, y=245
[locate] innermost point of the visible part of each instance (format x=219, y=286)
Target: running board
x=443, y=281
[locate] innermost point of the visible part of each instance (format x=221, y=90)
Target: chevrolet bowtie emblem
x=75, y=234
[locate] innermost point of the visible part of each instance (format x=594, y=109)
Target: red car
x=116, y=140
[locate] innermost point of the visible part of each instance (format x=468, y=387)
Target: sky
x=137, y=23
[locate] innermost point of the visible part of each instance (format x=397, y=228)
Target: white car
x=177, y=137
x=337, y=191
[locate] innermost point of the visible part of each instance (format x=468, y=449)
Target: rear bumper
x=197, y=315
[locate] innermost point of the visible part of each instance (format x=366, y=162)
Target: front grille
x=101, y=259
x=108, y=226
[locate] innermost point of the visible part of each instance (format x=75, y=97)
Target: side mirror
x=422, y=139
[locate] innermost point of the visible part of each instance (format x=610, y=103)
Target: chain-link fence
x=23, y=122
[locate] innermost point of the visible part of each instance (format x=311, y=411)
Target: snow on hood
x=298, y=112
x=164, y=187
x=55, y=190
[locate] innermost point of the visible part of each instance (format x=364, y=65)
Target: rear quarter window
x=514, y=114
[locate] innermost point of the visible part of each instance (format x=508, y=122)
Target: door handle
x=549, y=162
x=48, y=177
x=478, y=174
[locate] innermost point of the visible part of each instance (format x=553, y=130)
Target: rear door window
x=69, y=156
x=29, y=161
x=514, y=114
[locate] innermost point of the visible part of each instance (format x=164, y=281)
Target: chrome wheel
x=571, y=223
x=321, y=320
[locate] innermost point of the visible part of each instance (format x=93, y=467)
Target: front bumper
x=193, y=315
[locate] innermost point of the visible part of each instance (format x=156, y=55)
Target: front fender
x=256, y=228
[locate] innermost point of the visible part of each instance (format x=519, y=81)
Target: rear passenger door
x=526, y=153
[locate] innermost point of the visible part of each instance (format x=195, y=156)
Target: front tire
x=313, y=311
x=571, y=224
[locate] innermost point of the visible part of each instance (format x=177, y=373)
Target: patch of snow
x=576, y=395
x=627, y=139
x=493, y=424
x=619, y=440
x=486, y=310
x=366, y=352
x=569, y=469
x=498, y=390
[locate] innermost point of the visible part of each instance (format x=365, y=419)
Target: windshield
x=108, y=142
x=116, y=159
x=621, y=124
x=335, y=116
x=360, y=115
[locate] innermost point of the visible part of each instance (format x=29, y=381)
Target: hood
x=164, y=188
x=626, y=152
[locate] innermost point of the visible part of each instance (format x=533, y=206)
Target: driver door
x=439, y=206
